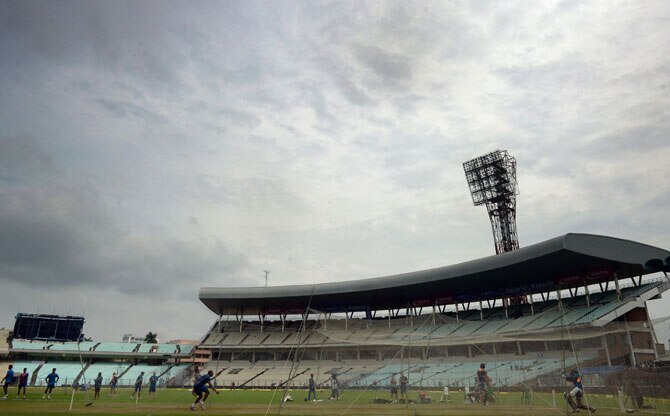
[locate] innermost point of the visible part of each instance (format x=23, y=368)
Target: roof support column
x=618, y=288
x=604, y=289
x=603, y=343
x=532, y=305
x=481, y=311
x=304, y=319
x=456, y=311
x=558, y=297
x=633, y=361
x=283, y=321
x=346, y=320
x=588, y=295
x=505, y=304
x=654, y=339
x=433, y=314
x=389, y=318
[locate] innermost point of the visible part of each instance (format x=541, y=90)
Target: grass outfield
x=252, y=402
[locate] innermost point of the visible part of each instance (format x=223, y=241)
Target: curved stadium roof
x=566, y=261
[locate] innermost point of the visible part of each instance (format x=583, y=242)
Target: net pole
x=576, y=356
x=218, y=359
x=563, y=329
x=72, y=399
x=294, y=365
x=409, y=361
x=83, y=373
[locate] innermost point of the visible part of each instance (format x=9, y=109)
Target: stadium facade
x=575, y=300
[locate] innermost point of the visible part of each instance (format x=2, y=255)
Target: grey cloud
x=389, y=67
x=344, y=81
x=351, y=91
x=146, y=264
x=124, y=109
x=59, y=231
x=321, y=139
x=47, y=234
x=118, y=39
x=64, y=237
x=316, y=100
x=568, y=72
x=257, y=194
x=22, y=160
x=647, y=139
x=241, y=118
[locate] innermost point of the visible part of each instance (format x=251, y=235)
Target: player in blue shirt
x=574, y=398
x=51, y=380
x=312, y=388
x=7, y=379
x=138, y=386
x=200, y=389
x=153, y=380
x=113, y=383
x=483, y=384
x=97, y=384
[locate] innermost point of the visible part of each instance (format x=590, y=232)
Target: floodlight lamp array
x=492, y=181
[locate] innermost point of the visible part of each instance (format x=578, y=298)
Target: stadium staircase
x=125, y=371
x=185, y=377
x=167, y=370
x=283, y=383
x=218, y=373
x=79, y=376
x=362, y=375
x=254, y=377
x=33, y=377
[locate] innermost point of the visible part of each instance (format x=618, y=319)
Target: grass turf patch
x=262, y=402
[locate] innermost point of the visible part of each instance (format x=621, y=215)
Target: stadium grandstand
x=532, y=314
x=80, y=362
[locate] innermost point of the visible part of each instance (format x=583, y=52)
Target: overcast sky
x=150, y=148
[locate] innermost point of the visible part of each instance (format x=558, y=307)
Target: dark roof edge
x=589, y=244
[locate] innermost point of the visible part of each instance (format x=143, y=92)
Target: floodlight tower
x=492, y=181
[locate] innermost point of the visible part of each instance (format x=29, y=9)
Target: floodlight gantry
x=492, y=181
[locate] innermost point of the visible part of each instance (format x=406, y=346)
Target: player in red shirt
x=23, y=383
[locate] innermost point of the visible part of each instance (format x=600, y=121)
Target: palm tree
x=151, y=338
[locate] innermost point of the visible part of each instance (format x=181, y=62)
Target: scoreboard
x=48, y=327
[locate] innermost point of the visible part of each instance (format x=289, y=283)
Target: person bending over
x=575, y=396
x=201, y=391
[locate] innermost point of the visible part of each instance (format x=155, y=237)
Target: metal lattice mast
x=492, y=181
